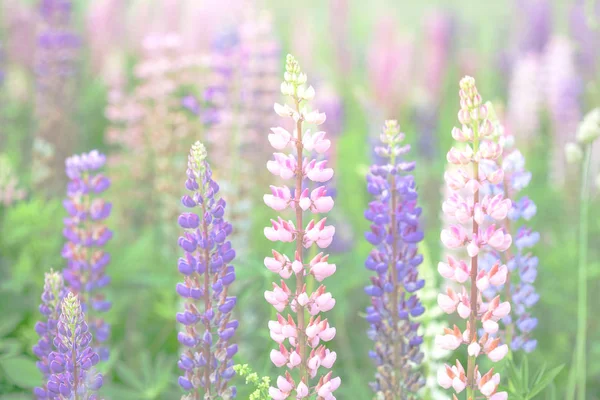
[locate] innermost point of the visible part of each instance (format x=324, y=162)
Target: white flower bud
x=589, y=128
x=573, y=153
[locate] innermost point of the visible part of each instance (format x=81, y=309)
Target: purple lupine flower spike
x=395, y=233
x=71, y=365
x=53, y=294
x=86, y=235
x=522, y=265
x=206, y=363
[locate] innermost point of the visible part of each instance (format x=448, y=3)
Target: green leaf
x=546, y=380
x=8, y=323
x=525, y=372
x=129, y=377
x=21, y=371
x=9, y=348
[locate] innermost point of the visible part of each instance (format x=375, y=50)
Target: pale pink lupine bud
x=478, y=214
x=464, y=117
x=321, y=203
x=455, y=180
x=484, y=111
x=327, y=334
x=461, y=269
x=486, y=129
x=278, y=358
x=490, y=150
x=451, y=204
x=278, y=298
x=304, y=201
x=319, y=233
x=454, y=236
x=462, y=135
x=280, y=230
x=284, y=384
x=463, y=310
x=277, y=394
x=490, y=326
x=463, y=212
x=297, y=266
x=473, y=185
x=295, y=359
x=497, y=207
x=499, y=396
x=448, y=341
x=498, y=239
x=473, y=247
x=322, y=270
x=301, y=391
x=278, y=199
x=329, y=387
x=276, y=330
x=459, y=384
x=315, y=117
x=283, y=110
x=474, y=349
x=498, y=274
x=303, y=299
x=449, y=301
x=443, y=377
x=279, y=264
x=324, y=302
x=488, y=388
x=306, y=93
x=498, y=353
x=446, y=270
x=280, y=138
x=483, y=281
x=496, y=176
x=460, y=157
x=329, y=359
x=502, y=310
x=316, y=142
x=283, y=166
x=317, y=171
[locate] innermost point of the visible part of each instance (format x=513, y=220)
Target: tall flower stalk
x=86, y=235
x=52, y=296
x=206, y=362
x=71, y=365
x=588, y=132
x=395, y=232
x=480, y=215
x=304, y=333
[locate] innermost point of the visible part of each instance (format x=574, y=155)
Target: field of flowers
x=260, y=199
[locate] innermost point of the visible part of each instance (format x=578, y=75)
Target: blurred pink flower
x=390, y=70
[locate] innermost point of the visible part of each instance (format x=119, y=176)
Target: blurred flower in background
x=55, y=65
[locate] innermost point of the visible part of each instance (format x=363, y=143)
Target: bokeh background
x=141, y=80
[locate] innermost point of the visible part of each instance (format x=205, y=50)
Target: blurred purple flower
x=563, y=88
x=536, y=25
x=55, y=66
x=86, y=236
x=585, y=36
